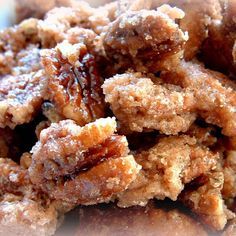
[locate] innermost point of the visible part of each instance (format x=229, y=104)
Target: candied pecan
x=27, y=60
x=65, y=18
x=19, y=36
x=206, y=200
x=213, y=92
x=37, y=8
x=69, y=158
x=21, y=39
x=78, y=22
x=23, y=209
x=74, y=84
x=166, y=168
x=22, y=79
x=141, y=104
x=21, y=97
x=204, y=14
x=135, y=40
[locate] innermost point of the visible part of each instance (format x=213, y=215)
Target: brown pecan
x=135, y=40
x=21, y=98
x=74, y=82
x=82, y=165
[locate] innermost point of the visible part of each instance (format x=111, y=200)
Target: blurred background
x=7, y=15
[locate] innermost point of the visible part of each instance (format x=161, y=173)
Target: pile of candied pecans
x=127, y=102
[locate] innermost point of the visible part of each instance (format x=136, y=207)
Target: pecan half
x=74, y=82
x=82, y=165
